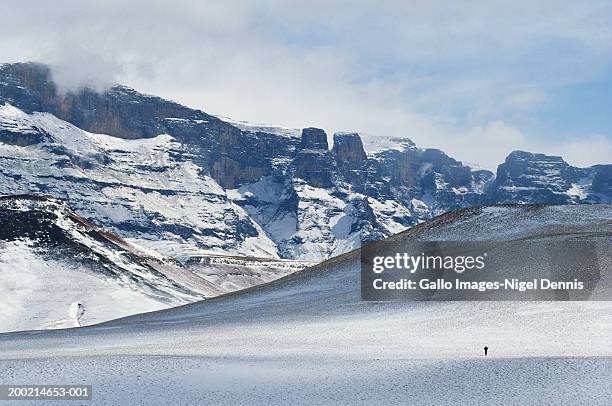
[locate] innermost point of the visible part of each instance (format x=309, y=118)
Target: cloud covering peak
x=476, y=79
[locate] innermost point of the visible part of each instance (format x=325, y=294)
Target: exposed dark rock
x=351, y=159
x=120, y=111
x=21, y=139
x=313, y=162
x=602, y=181
x=453, y=171
x=313, y=138
x=526, y=177
x=365, y=221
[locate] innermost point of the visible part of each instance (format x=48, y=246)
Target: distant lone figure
x=486, y=350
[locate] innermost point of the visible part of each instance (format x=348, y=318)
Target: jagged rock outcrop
x=454, y=172
x=313, y=162
x=313, y=138
x=527, y=177
x=182, y=180
x=351, y=159
x=120, y=111
x=602, y=180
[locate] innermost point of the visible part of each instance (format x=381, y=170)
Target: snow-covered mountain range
x=185, y=183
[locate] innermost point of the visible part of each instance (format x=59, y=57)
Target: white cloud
x=450, y=75
x=584, y=151
x=68, y=73
x=488, y=146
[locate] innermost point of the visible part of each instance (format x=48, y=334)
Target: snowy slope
x=231, y=273
x=40, y=293
x=51, y=260
x=308, y=338
x=333, y=284
x=148, y=188
x=154, y=192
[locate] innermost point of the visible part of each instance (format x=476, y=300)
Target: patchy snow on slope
x=580, y=189
x=127, y=185
x=373, y=143
x=236, y=273
x=51, y=259
x=501, y=222
x=318, y=213
x=270, y=129
x=14, y=119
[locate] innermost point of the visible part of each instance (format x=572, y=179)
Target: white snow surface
x=38, y=293
x=309, y=339
x=254, y=127
x=374, y=143
x=115, y=181
x=111, y=278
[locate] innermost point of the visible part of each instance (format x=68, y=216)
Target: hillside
x=286, y=341
x=52, y=260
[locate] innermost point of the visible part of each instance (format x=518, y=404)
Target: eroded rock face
x=455, y=173
x=349, y=152
x=313, y=161
x=351, y=159
x=533, y=178
x=168, y=172
x=237, y=159
x=602, y=180
x=313, y=138
x=120, y=111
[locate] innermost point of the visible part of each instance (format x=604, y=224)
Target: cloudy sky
x=477, y=79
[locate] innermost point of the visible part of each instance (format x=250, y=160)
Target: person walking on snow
x=486, y=349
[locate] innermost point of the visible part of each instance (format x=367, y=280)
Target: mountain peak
x=532, y=156
x=313, y=138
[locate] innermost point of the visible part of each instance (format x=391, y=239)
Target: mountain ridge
x=165, y=174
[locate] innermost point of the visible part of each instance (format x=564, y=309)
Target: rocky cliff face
x=184, y=181
x=602, y=181
x=313, y=162
x=537, y=178
x=121, y=111
x=351, y=159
